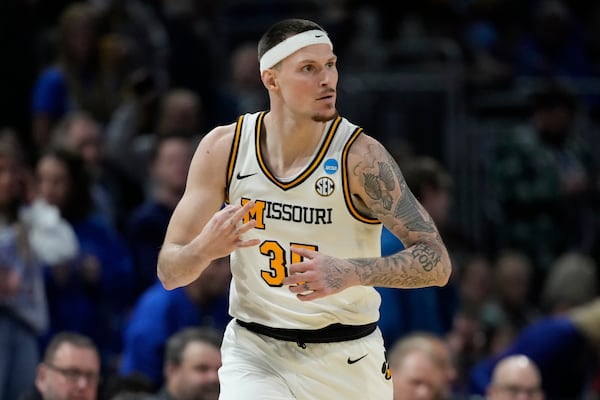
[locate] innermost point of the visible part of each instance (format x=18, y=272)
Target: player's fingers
x=294, y=278
x=310, y=296
x=246, y=227
x=238, y=214
x=298, y=268
x=248, y=243
x=305, y=287
x=296, y=289
x=224, y=216
x=299, y=277
x=229, y=209
x=306, y=253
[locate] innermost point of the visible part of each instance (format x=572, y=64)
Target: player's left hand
x=319, y=275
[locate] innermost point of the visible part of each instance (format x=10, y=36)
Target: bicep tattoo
x=379, y=187
x=380, y=182
x=408, y=211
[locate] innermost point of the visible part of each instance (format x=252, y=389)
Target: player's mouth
x=327, y=97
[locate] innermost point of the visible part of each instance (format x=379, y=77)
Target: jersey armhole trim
x=346, y=182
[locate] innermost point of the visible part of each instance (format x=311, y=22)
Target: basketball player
x=307, y=193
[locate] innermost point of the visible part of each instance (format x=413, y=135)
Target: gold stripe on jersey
x=235, y=144
x=313, y=165
x=346, y=182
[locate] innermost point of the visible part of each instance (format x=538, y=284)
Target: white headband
x=292, y=45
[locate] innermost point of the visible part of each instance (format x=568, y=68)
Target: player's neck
x=289, y=144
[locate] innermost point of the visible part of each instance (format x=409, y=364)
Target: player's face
x=308, y=81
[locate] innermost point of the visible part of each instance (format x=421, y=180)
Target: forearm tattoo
x=397, y=271
x=426, y=254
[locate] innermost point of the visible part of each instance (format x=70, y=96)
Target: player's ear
x=269, y=79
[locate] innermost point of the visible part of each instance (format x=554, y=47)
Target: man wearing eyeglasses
x=515, y=378
x=70, y=369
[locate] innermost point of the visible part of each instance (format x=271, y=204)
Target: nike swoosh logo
x=240, y=176
x=351, y=361
x=317, y=36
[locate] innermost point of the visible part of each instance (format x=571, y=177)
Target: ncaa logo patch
x=330, y=166
x=324, y=186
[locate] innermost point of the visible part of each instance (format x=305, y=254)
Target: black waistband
x=328, y=334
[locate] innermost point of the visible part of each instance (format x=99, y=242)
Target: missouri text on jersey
x=286, y=212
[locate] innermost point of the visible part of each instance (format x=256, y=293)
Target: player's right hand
x=225, y=229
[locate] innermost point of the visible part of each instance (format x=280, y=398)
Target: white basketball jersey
x=311, y=210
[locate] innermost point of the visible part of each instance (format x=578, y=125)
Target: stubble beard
x=325, y=117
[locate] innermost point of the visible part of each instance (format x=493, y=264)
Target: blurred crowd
x=103, y=102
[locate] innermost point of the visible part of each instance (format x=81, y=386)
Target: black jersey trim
x=346, y=182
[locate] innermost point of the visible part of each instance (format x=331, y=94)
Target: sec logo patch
x=324, y=186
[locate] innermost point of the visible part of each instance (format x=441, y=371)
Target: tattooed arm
x=379, y=190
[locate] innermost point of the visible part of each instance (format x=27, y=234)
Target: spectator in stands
x=75, y=80
x=244, y=86
x=555, y=45
x=487, y=40
x=515, y=377
x=134, y=26
x=568, y=334
x=133, y=386
x=511, y=306
x=134, y=118
x=160, y=313
x=421, y=368
x=180, y=112
x=147, y=225
x=543, y=178
x=512, y=289
x=114, y=194
x=192, y=361
x=70, y=369
x=194, y=25
x=31, y=236
x=92, y=294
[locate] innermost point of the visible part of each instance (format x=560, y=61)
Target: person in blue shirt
x=563, y=343
x=93, y=293
x=146, y=227
x=160, y=313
